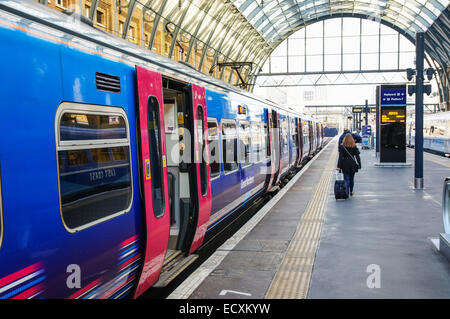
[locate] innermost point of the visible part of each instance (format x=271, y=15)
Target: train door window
x=229, y=146
x=214, y=151
x=294, y=133
x=202, y=147
x=257, y=140
x=245, y=143
x=305, y=133
x=284, y=135
x=156, y=160
x=94, y=167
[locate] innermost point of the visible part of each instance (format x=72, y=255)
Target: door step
x=173, y=267
x=170, y=255
x=275, y=189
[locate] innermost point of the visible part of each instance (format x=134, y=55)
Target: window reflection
x=94, y=180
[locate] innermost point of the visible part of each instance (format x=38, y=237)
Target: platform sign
x=391, y=123
x=393, y=95
x=367, y=130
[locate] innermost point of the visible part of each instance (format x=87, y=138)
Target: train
x=118, y=164
x=436, y=133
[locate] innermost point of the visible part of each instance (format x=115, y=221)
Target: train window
x=294, y=133
x=100, y=155
x=284, y=136
x=267, y=136
x=229, y=146
x=213, y=143
x=202, y=147
x=94, y=166
x=76, y=126
x=77, y=157
x=155, y=147
x=245, y=143
x=119, y=153
x=305, y=133
x=257, y=142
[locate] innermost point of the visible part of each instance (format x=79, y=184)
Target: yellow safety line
x=294, y=274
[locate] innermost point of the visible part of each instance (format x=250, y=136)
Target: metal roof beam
x=130, y=10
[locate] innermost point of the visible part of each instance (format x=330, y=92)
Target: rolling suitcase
x=340, y=188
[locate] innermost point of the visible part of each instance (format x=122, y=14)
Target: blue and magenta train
x=117, y=164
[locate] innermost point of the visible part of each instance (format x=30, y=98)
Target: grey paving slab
x=250, y=267
x=387, y=224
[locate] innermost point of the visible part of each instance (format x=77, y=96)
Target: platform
x=308, y=245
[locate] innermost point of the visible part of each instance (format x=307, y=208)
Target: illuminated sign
x=357, y=110
x=242, y=109
x=393, y=96
x=393, y=116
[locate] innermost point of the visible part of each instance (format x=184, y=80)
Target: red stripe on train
x=129, y=240
x=29, y=292
x=19, y=274
x=131, y=260
x=84, y=289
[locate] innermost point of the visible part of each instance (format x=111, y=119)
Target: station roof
x=249, y=30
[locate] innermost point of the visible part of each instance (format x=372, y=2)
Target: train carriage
x=436, y=133
x=116, y=164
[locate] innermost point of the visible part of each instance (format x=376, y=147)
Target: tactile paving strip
x=294, y=274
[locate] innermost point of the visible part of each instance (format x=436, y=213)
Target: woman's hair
x=348, y=141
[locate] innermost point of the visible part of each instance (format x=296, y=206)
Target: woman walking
x=349, y=161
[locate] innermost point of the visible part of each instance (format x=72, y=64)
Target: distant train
x=117, y=164
x=436, y=133
x=330, y=130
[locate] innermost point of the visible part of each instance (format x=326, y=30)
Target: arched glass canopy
x=211, y=35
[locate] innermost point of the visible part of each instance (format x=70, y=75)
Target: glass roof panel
x=409, y=15
x=251, y=29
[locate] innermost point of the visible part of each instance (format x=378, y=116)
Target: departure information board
x=393, y=115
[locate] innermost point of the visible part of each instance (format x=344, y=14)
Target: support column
x=377, y=120
x=366, y=113
x=418, y=148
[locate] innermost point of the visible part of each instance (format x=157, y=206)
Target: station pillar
x=418, y=147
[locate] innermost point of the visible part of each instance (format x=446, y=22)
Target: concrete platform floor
x=374, y=245
x=380, y=238
x=249, y=267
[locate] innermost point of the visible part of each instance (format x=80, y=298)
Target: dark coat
x=341, y=138
x=345, y=161
x=355, y=136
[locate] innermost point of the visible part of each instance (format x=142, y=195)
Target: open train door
x=153, y=175
x=202, y=180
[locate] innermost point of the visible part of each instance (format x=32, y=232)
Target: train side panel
x=69, y=158
x=37, y=237
x=241, y=180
